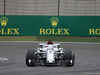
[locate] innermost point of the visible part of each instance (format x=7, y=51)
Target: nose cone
x=50, y=54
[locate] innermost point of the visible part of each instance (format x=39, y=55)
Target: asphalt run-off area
x=12, y=59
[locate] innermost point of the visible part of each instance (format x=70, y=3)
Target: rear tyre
x=30, y=57
x=69, y=58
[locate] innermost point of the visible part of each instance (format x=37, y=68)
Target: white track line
x=46, y=41
x=3, y=59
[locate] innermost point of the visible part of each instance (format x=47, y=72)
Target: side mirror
x=39, y=48
x=60, y=48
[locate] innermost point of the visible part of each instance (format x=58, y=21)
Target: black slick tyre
x=30, y=58
x=69, y=58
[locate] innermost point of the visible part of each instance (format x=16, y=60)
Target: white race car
x=49, y=54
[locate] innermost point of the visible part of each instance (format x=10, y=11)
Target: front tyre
x=30, y=57
x=69, y=58
x=73, y=60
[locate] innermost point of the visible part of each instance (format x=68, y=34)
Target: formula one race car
x=49, y=54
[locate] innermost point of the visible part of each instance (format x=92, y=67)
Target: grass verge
x=55, y=38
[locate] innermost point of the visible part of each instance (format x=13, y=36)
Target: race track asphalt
x=87, y=60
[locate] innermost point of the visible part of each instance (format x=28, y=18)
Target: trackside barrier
x=11, y=25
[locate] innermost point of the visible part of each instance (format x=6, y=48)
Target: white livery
x=49, y=54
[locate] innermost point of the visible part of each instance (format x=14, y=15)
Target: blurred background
x=50, y=7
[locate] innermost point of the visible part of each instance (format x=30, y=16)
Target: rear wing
x=49, y=44
x=45, y=44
